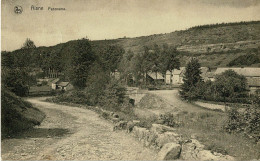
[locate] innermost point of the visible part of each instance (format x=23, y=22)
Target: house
x=54, y=83
x=168, y=77
x=254, y=84
x=174, y=77
x=60, y=85
x=252, y=75
x=155, y=77
x=178, y=75
x=64, y=86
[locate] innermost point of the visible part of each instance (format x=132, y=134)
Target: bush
x=114, y=96
x=247, y=122
x=169, y=120
x=147, y=122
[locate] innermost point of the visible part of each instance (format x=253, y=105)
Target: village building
x=155, y=77
x=60, y=85
x=178, y=75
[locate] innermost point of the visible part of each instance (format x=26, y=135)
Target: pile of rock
x=172, y=146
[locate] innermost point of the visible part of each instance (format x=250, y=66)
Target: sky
x=109, y=19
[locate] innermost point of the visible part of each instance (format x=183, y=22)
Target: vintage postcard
x=130, y=80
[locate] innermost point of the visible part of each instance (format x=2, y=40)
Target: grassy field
x=207, y=126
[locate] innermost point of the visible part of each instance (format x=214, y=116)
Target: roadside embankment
x=17, y=114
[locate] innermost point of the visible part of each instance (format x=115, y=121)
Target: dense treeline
x=224, y=24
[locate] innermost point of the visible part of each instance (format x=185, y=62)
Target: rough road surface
x=172, y=97
x=71, y=133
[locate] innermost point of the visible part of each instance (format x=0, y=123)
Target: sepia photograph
x=130, y=80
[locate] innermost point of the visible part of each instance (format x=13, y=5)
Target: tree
x=169, y=60
x=16, y=80
x=29, y=44
x=82, y=59
x=230, y=84
x=111, y=57
x=7, y=59
x=190, y=79
x=125, y=66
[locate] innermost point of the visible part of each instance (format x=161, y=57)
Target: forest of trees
x=80, y=57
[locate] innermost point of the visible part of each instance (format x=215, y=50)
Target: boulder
x=169, y=151
x=207, y=155
x=194, y=150
x=190, y=149
x=140, y=132
x=167, y=137
x=159, y=129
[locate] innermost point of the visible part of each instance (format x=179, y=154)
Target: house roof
x=253, y=82
x=247, y=72
x=55, y=80
x=153, y=75
x=63, y=84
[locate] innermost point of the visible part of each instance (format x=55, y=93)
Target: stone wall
x=172, y=146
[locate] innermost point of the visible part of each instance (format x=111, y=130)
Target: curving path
x=71, y=133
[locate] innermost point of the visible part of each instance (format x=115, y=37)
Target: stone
x=159, y=129
x=167, y=137
x=207, y=155
x=140, y=132
x=169, y=151
x=191, y=149
x=194, y=150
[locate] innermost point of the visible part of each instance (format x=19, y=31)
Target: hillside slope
x=17, y=115
x=214, y=45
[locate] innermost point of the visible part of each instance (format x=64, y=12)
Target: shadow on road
x=41, y=133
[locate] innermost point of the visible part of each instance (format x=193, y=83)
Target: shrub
x=147, y=122
x=114, y=96
x=169, y=120
x=247, y=122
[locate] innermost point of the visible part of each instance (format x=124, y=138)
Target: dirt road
x=172, y=97
x=71, y=133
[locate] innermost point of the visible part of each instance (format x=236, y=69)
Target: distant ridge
x=196, y=41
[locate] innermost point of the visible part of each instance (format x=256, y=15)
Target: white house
x=54, y=83
x=178, y=74
x=60, y=85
